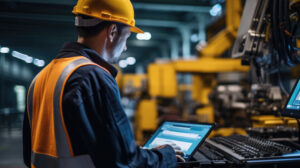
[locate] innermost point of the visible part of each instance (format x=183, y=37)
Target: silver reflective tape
x=30, y=100
x=60, y=135
x=80, y=22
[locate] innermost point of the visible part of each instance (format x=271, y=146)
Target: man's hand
x=177, y=149
x=178, y=152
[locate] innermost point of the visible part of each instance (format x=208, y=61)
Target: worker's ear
x=112, y=33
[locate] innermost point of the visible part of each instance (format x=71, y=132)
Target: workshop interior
x=234, y=64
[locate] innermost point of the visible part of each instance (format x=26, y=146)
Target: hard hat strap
x=81, y=22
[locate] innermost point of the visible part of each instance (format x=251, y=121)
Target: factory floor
x=11, y=152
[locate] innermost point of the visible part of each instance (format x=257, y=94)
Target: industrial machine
x=165, y=100
x=268, y=42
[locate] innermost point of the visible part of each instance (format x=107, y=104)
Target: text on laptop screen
x=185, y=135
x=294, y=101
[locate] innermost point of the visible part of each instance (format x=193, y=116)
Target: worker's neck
x=93, y=43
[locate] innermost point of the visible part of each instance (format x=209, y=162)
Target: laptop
x=187, y=136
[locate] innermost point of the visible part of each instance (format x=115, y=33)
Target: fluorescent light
x=4, y=50
x=38, y=62
x=147, y=36
x=28, y=59
x=216, y=10
x=130, y=60
x=23, y=57
x=144, y=36
x=140, y=36
x=123, y=63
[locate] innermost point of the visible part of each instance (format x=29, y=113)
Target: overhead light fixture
x=38, y=62
x=195, y=38
x=216, y=10
x=130, y=61
x=4, y=50
x=23, y=57
x=144, y=36
x=26, y=58
x=123, y=63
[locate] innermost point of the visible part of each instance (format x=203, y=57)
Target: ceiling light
x=21, y=56
x=216, y=10
x=38, y=62
x=130, y=60
x=144, y=36
x=195, y=38
x=4, y=50
x=123, y=63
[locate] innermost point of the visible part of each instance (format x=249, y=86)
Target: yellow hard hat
x=109, y=10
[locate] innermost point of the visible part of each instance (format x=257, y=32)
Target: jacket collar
x=72, y=49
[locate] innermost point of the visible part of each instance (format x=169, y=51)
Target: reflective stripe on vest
x=45, y=152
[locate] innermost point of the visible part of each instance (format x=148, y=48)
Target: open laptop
x=187, y=136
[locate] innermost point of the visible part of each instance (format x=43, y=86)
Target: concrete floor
x=11, y=152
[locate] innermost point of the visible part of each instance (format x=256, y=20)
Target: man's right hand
x=177, y=149
x=178, y=152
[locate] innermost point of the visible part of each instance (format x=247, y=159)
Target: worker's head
x=108, y=22
x=106, y=37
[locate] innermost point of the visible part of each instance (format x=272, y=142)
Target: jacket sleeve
x=101, y=127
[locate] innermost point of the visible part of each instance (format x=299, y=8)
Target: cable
x=281, y=84
x=276, y=41
x=286, y=29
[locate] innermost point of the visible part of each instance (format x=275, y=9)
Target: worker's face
x=117, y=42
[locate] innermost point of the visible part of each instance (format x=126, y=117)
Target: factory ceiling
x=40, y=27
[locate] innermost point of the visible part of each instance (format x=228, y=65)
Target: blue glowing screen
x=185, y=135
x=294, y=101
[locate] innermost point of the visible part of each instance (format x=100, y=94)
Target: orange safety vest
x=50, y=142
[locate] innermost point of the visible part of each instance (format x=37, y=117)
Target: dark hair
x=94, y=30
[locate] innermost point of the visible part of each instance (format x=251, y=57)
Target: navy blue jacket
x=95, y=120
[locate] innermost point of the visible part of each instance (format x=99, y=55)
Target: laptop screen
x=292, y=107
x=294, y=101
x=187, y=136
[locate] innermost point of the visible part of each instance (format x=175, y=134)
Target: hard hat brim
x=136, y=30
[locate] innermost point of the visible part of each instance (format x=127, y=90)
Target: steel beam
x=164, y=23
x=137, y=5
x=60, y=2
x=171, y=7
x=140, y=43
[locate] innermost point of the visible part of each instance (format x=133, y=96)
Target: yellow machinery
x=272, y=121
x=133, y=84
x=218, y=44
x=162, y=81
x=130, y=83
x=146, y=118
x=208, y=64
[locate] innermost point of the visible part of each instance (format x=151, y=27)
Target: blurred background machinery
x=232, y=62
x=179, y=89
